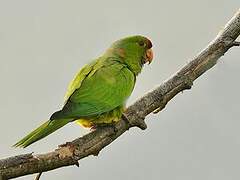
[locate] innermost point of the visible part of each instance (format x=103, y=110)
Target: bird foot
x=104, y=125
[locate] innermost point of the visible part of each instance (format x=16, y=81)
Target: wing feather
x=97, y=88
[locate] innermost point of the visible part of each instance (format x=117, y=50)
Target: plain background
x=44, y=43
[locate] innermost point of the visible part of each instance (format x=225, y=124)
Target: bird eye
x=141, y=43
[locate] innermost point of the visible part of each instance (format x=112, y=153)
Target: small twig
x=236, y=43
x=38, y=176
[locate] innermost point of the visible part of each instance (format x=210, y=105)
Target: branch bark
x=154, y=101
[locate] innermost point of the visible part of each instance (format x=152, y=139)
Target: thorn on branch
x=235, y=43
x=138, y=122
x=96, y=153
x=77, y=163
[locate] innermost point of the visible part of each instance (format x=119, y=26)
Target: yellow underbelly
x=105, y=118
x=90, y=123
x=84, y=123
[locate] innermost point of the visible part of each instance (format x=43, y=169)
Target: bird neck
x=132, y=60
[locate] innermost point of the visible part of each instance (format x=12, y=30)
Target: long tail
x=42, y=131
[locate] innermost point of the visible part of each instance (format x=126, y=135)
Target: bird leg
x=104, y=125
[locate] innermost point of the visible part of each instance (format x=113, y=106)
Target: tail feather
x=42, y=131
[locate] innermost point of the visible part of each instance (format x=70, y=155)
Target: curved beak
x=149, y=56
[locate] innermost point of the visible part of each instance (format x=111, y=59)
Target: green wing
x=77, y=81
x=101, y=88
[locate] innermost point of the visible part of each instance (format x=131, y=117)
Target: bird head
x=134, y=51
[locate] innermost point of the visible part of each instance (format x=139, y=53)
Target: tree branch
x=154, y=101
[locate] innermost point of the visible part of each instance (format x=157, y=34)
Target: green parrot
x=98, y=93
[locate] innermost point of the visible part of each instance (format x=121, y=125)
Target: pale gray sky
x=44, y=43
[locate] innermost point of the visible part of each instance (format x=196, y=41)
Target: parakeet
x=98, y=93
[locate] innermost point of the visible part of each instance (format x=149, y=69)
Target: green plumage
x=103, y=89
x=42, y=131
x=99, y=91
